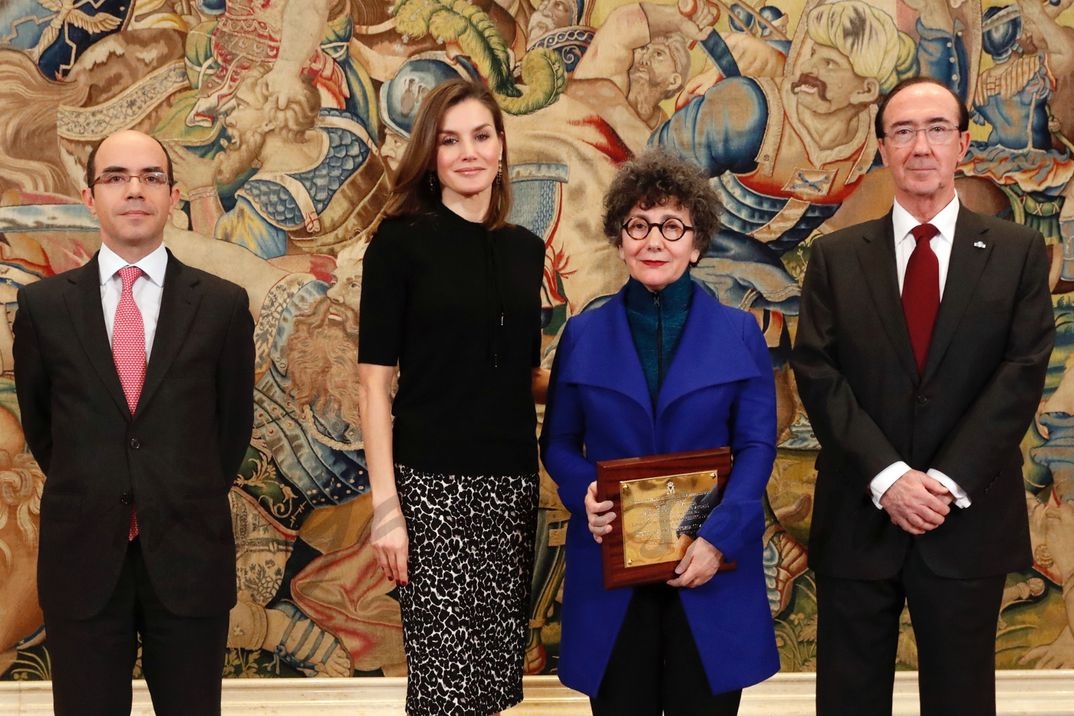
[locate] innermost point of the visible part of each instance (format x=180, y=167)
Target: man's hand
x=191, y=171
x=917, y=503
x=699, y=12
x=282, y=84
x=598, y=514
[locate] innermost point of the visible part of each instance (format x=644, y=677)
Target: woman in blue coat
x=663, y=367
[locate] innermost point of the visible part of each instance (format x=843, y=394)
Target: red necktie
x=128, y=349
x=921, y=293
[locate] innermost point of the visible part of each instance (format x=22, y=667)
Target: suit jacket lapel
x=178, y=305
x=970, y=251
x=83, y=299
x=876, y=255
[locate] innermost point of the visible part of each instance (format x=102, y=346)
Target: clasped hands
x=697, y=566
x=917, y=503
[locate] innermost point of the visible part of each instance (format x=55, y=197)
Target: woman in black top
x=451, y=294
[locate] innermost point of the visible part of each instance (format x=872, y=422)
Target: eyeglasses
x=117, y=179
x=671, y=229
x=936, y=134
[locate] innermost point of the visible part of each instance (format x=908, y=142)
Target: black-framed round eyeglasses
x=671, y=229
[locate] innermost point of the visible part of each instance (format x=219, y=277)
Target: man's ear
x=964, y=144
x=869, y=92
x=87, y=199
x=674, y=85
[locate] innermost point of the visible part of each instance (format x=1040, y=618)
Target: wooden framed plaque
x=660, y=502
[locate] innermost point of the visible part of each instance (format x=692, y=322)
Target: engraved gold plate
x=652, y=510
x=661, y=503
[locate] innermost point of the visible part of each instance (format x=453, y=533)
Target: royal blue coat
x=718, y=391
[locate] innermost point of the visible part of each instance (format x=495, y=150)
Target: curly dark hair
x=657, y=177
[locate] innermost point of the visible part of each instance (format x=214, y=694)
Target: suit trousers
x=954, y=624
x=92, y=659
x=655, y=667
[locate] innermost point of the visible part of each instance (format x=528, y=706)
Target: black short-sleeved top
x=457, y=306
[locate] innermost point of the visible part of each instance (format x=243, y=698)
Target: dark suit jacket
x=965, y=416
x=175, y=458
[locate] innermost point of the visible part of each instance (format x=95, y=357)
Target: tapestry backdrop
x=284, y=119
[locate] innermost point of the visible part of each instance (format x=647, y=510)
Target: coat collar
x=178, y=305
x=970, y=250
x=710, y=352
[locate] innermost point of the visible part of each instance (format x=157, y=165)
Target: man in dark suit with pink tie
x=135, y=377
x=920, y=357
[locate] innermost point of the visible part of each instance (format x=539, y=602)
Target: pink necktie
x=128, y=349
x=921, y=293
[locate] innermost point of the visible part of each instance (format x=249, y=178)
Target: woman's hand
x=597, y=513
x=697, y=566
x=389, y=536
x=389, y=540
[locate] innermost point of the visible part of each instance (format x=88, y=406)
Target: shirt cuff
x=961, y=498
x=885, y=479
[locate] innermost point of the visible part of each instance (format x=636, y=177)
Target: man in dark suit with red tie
x=135, y=377
x=920, y=358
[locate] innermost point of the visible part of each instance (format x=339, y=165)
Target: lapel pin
x=978, y=244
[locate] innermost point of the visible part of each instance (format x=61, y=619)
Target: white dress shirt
x=147, y=290
x=905, y=243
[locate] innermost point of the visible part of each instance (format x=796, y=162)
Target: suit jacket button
x=922, y=399
x=134, y=443
x=126, y=498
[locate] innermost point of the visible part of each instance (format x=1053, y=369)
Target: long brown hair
x=412, y=192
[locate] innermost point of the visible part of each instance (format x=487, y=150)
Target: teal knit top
x=656, y=321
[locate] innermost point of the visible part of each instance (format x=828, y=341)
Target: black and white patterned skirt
x=465, y=608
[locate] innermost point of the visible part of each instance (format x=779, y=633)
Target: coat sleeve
x=847, y=433
x=1004, y=409
x=562, y=445
x=738, y=520
x=32, y=384
x=235, y=386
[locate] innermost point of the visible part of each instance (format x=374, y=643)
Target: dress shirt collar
x=153, y=265
x=944, y=221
